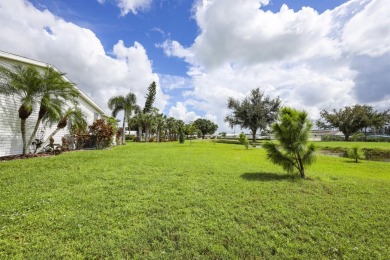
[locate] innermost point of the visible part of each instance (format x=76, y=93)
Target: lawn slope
x=198, y=200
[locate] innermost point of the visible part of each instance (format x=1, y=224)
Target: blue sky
x=162, y=20
x=313, y=54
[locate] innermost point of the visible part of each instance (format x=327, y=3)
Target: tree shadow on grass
x=267, y=176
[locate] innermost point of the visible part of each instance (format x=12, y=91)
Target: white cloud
x=133, y=6
x=171, y=82
x=180, y=112
x=368, y=32
x=311, y=61
x=240, y=32
x=78, y=52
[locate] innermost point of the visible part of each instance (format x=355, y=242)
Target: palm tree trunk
x=140, y=133
x=34, y=132
x=146, y=133
x=23, y=131
x=123, y=130
x=47, y=139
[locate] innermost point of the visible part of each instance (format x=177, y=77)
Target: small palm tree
x=55, y=92
x=72, y=116
x=292, y=132
x=48, y=89
x=355, y=153
x=123, y=103
x=26, y=83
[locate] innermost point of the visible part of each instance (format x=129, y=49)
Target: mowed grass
x=367, y=145
x=198, y=200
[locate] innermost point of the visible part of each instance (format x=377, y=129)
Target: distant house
x=10, y=136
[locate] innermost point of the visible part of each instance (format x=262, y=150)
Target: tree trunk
x=253, y=135
x=34, y=132
x=146, y=134
x=123, y=130
x=23, y=131
x=301, y=167
x=158, y=133
x=140, y=133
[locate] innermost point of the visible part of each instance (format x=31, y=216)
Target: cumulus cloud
x=172, y=82
x=180, y=112
x=311, y=60
x=77, y=51
x=368, y=32
x=133, y=6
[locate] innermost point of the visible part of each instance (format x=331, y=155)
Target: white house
x=10, y=135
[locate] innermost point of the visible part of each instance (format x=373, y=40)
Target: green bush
x=332, y=138
x=243, y=140
x=355, y=153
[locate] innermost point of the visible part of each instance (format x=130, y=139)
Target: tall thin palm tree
x=72, y=116
x=123, y=103
x=26, y=83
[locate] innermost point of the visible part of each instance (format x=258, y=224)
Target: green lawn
x=368, y=145
x=204, y=200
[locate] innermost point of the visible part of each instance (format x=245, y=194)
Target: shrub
x=355, y=153
x=102, y=133
x=332, y=138
x=243, y=140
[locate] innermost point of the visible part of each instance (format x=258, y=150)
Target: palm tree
x=160, y=125
x=72, y=116
x=123, y=103
x=54, y=94
x=48, y=89
x=148, y=123
x=292, y=132
x=26, y=83
x=171, y=127
x=180, y=128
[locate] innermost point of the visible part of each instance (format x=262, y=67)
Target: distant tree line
x=151, y=125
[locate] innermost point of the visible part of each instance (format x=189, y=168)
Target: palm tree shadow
x=266, y=176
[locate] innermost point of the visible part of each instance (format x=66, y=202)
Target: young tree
x=180, y=126
x=292, y=132
x=254, y=112
x=205, y=126
x=123, y=103
x=355, y=153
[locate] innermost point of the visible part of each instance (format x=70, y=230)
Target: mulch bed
x=26, y=156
